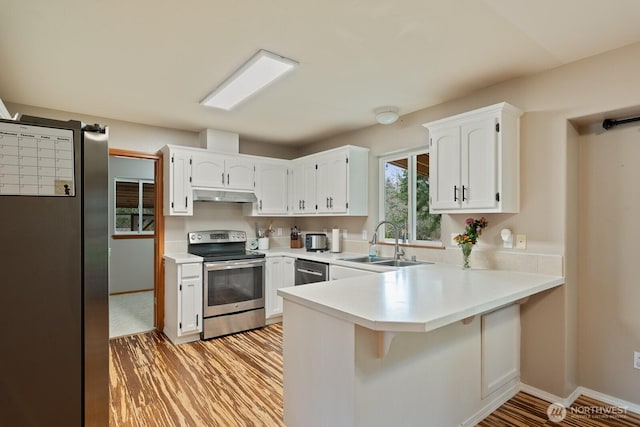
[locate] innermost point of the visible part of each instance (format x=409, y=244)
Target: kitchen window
x=404, y=197
x=134, y=206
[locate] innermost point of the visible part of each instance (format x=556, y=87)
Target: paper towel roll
x=335, y=240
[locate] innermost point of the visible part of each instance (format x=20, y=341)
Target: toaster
x=316, y=242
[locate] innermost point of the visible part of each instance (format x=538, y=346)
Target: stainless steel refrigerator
x=54, y=358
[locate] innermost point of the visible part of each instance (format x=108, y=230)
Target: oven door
x=233, y=286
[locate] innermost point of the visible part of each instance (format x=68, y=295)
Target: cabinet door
x=479, y=164
x=208, y=171
x=190, y=302
x=271, y=188
x=444, y=166
x=304, y=187
x=239, y=173
x=181, y=201
x=331, y=183
x=273, y=279
x=337, y=272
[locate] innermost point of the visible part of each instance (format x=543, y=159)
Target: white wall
x=131, y=260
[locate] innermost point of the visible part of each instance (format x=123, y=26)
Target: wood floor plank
x=230, y=381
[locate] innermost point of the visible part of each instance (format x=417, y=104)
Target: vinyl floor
x=237, y=381
x=130, y=313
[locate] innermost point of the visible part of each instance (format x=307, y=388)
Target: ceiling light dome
x=386, y=115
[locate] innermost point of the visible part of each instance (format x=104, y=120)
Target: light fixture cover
x=259, y=71
x=386, y=115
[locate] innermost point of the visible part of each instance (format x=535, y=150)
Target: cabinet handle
x=455, y=193
x=186, y=201
x=304, y=204
x=197, y=319
x=463, y=195
x=260, y=204
x=227, y=179
x=222, y=178
x=299, y=204
x=331, y=202
x=327, y=204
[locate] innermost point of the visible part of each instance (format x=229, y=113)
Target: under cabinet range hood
x=212, y=195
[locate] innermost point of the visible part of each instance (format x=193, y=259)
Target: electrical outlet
x=521, y=241
x=364, y=234
x=279, y=231
x=345, y=234
x=636, y=359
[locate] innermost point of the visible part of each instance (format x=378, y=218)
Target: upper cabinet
x=474, y=161
x=213, y=170
x=332, y=182
x=272, y=187
x=177, y=177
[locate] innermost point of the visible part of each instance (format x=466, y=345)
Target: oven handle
x=231, y=265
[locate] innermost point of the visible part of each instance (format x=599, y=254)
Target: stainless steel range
x=233, y=282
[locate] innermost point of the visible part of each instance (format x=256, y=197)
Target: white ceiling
x=152, y=61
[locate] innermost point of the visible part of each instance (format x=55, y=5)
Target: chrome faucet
x=397, y=253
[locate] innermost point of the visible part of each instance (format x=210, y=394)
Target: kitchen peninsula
x=431, y=345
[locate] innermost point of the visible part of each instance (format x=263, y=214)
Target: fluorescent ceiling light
x=263, y=68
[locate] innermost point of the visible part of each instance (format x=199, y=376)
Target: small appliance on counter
x=316, y=242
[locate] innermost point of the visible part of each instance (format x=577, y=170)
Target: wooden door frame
x=158, y=244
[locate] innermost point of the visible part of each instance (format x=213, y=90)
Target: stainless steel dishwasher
x=311, y=272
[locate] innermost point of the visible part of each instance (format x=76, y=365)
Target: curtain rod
x=609, y=123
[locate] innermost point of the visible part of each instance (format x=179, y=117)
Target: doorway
x=135, y=226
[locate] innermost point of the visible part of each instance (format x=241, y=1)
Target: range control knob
x=199, y=236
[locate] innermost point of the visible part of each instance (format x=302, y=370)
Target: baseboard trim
x=495, y=402
x=548, y=397
x=633, y=407
x=568, y=401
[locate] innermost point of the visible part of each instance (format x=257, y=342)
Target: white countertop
x=418, y=299
x=182, y=258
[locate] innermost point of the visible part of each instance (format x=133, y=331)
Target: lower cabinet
x=183, y=301
x=500, y=338
x=337, y=272
x=280, y=274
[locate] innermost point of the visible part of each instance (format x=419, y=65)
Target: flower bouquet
x=470, y=238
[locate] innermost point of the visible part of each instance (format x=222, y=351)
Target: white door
x=271, y=191
x=304, y=187
x=208, y=170
x=444, y=166
x=180, y=182
x=479, y=164
x=331, y=183
x=190, y=302
x=239, y=173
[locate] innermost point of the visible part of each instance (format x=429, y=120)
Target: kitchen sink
x=388, y=262
x=366, y=259
x=401, y=263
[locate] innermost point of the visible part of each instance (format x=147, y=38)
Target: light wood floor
x=237, y=381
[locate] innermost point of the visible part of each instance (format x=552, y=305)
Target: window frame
x=140, y=182
x=411, y=156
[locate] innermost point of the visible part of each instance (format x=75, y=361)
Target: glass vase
x=466, y=255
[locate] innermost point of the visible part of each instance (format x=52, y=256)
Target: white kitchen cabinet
x=272, y=188
x=341, y=181
x=212, y=170
x=304, y=186
x=183, y=301
x=337, y=272
x=500, y=354
x=177, y=197
x=332, y=182
x=474, y=161
x=280, y=273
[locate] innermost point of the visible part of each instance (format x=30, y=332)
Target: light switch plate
x=279, y=231
x=521, y=241
x=364, y=234
x=636, y=359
